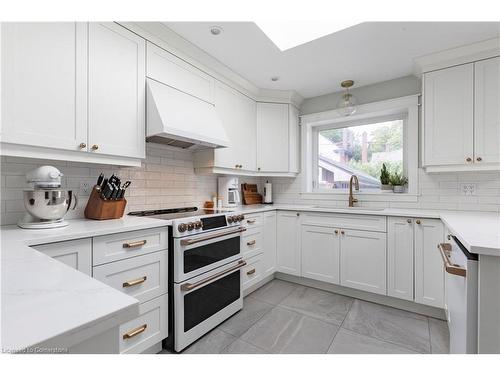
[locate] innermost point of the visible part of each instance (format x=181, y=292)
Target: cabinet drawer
x=76, y=254
x=251, y=243
x=347, y=221
x=252, y=272
x=253, y=220
x=149, y=328
x=166, y=68
x=129, y=244
x=143, y=277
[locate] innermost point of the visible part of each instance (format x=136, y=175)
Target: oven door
x=205, y=301
x=195, y=255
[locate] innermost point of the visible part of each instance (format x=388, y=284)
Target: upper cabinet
x=461, y=117
x=73, y=91
x=277, y=138
x=116, y=91
x=44, y=84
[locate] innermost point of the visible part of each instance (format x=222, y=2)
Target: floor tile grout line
x=429, y=331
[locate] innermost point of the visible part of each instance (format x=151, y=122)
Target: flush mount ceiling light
x=215, y=30
x=289, y=34
x=347, y=102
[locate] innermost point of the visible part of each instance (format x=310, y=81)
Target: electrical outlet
x=468, y=189
x=84, y=188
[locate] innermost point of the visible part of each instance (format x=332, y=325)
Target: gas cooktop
x=180, y=212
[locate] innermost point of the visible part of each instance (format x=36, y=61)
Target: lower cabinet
x=320, y=253
x=269, y=243
x=429, y=272
x=363, y=260
x=149, y=328
x=76, y=253
x=288, y=257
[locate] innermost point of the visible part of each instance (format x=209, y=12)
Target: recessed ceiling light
x=274, y=79
x=216, y=30
x=289, y=34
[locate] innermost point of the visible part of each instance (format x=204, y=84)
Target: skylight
x=289, y=34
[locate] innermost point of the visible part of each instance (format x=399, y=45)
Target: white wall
x=165, y=179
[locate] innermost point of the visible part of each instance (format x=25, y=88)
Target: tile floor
x=283, y=317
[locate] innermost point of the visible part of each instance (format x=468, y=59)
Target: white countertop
x=44, y=301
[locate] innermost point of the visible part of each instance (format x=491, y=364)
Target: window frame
x=405, y=108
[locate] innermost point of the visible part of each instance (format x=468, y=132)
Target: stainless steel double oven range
x=204, y=271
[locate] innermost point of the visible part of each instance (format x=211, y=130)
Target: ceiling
x=367, y=53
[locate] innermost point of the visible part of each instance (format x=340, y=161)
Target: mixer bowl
x=49, y=204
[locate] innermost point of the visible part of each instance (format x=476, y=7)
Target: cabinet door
x=44, y=84
x=448, y=116
x=117, y=81
x=288, y=243
x=363, y=260
x=429, y=273
x=320, y=247
x=400, y=258
x=237, y=113
x=269, y=243
x=294, y=139
x=76, y=254
x=272, y=137
x=487, y=111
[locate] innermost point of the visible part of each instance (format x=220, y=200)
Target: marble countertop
x=46, y=303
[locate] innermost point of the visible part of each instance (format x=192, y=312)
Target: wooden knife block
x=102, y=209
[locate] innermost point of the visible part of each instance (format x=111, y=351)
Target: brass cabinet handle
x=250, y=243
x=211, y=237
x=408, y=221
x=134, y=332
x=418, y=222
x=468, y=160
x=342, y=232
x=82, y=145
x=251, y=221
x=258, y=169
x=138, y=281
x=479, y=158
x=131, y=245
x=190, y=286
x=250, y=272
x=336, y=231
x=298, y=214
x=95, y=147
x=445, y=249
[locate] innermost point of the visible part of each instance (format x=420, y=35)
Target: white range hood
x=179, y=119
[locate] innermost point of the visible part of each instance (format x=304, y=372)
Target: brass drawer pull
x=190, y=286
x=251, y=272
x=251, y=221
x=135, y=332
x=336, y=231
x=132, y=245
x=138, y=281
x=251, y=243
x=418, y=222
x=95, y=147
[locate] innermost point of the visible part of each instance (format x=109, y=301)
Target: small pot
x=399, y=189
x=386, y=187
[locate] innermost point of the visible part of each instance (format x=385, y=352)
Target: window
x=335, y=147
x=360, y=149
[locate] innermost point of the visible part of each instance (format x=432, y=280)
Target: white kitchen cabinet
x=238, y=115
x=277, y=138
x=76, y=254
x=400, y=237
x=363, y=260
x=44, y=84
x=320, y=248
x=448, y=101
x=429, y=272
x=487, y=111
x=116, y=91
x=269, y=232
x=288, y=259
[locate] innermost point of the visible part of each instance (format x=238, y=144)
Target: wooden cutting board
x=250, y=194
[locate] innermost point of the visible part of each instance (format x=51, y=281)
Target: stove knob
x=229, y=219
x=190, y=226
x=240, y=217
x=182, y=227
x=198, y=224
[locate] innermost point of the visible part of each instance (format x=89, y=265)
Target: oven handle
x=445, y=249
x=210, y=237
x=189, y=286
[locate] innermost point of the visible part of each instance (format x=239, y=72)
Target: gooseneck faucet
x=353, y=200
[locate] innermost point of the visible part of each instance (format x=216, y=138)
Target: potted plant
x=398, y=182
x=385, y=178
